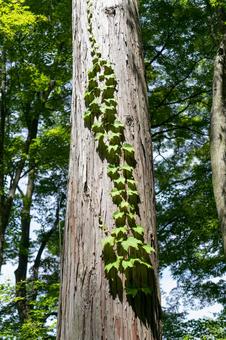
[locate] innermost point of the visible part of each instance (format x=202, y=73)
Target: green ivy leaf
x=88, y=117
x=148, y=248
x=110, y=80
x=108, y=241
x=116, y=264
x=99, y=136
x=117, y=126
x=132, y=291
x=89, y=97
x=127, y=264
x=131, y=184
x=108, y=92
x=113, y=149
x=92, y=84
x=110, y=102
x=94, y=106
x=132, y=194
x=108, y=111
x=128, y=148
x=112, y=171
x=115, y=137
x=124, y=206
x=120, y=230
x=131, y=242
x=117, y=195
x=127, y=169
x=143, y=262
x=119, y=217
x=120, y=182
x=139, y=230
x=97, y=127
x=108, y=70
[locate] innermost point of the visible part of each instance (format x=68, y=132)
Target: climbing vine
x=124, y=249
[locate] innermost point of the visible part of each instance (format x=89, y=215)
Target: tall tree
x=218, y=122
x=109, y=293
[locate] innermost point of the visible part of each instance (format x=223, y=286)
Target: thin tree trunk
x=21, y=271
x=218, y=129
x=87, y=309
x=2, y=143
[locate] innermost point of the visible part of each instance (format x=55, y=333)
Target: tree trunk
x=218, y=129
x=21, y=271
x=89, y=307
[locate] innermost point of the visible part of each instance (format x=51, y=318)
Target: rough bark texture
x=218, y=131
x=87, y=309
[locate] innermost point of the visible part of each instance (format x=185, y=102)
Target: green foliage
x=15, y=16
x=41, y=322
x=180, y=41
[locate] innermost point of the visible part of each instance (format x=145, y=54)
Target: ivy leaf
x=131, y=184
x=108, y=241
x=108, y=92
x=148, y=248
x=110, y=102
x=113, y=149
x=112, y=171
x=131, y=242
x=108, y=69
x=127, y=169
x=115, y=137
x=119, y=217
x=118, y=126
x=139, y=230
x=120, y=182
x=117, y=195
x=88, y=97
x=99, y=136
x=92, y=84
x=131, y=218
x=127, y=264
x=132, y=291
x=115, y=264
x=108, y=111
x=120, y=230
x=94, y=106
x=110, y=80
x=88, y=117
x=133, y=195
x=124, y=206
x=128, y=148
x=144, y=263
x=97, y=127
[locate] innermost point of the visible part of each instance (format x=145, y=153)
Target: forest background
x=180, y=41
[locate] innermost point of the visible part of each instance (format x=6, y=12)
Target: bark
x=218, y=130
x=87, y=308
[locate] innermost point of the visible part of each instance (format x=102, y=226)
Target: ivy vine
x=124, y=249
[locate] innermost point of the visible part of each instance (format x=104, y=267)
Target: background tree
x=34, y=155
x=94, y=304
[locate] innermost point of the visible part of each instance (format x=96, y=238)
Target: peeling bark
x=87, y=308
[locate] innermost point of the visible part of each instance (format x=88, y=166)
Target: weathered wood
x=87, y=309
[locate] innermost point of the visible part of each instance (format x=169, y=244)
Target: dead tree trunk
x=90, y=308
